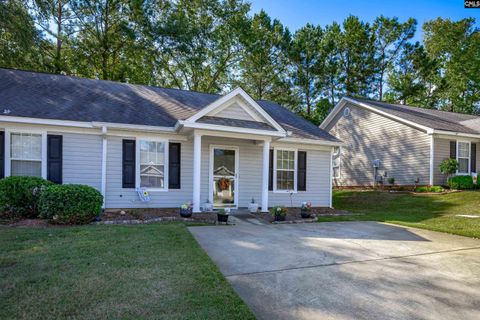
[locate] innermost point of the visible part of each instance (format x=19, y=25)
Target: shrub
x=448, y=167
x=461, y=182
x=429, y=189
x=70, y=204
x=19, y=196
x=391, y=180
x=278, y=211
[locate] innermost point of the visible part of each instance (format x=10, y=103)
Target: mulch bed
x=127, y=216
x=29, y=223
x=293, y=214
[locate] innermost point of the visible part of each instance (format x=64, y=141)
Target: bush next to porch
x=70, y=204
x=19, y=196
x=461, y=182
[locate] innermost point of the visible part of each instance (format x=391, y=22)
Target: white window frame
x=339, y=162
x=138, y=141
x=295, y=169
x=8, y=158
x=469, y=157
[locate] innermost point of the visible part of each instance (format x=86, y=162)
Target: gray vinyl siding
x=404, y=151
x=441, y=152
x=118, y=197
x=82, y=159
x=234, y=112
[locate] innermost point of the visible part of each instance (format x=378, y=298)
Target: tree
x=307, y=65
x=197, y=43
x=264, y=64
x=55, y=18
x=390, y=37
x=19, y=40
x=330, y=82
x=456, y=47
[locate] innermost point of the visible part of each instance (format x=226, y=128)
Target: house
x=383, y=140
x=178, y=145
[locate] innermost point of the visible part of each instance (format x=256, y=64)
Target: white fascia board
x=344, y=100
x=456, y=134
x=312, y=141
x=236, y=92
x=214, y=127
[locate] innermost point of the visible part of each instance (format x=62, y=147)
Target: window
x=336, y=162
x=285, y=173
x=152, y=164
x=26, y=154
x=463, y=157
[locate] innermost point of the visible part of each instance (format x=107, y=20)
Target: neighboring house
x=384, y=140
x=180, y=145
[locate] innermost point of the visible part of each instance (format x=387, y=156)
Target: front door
x=224, y=184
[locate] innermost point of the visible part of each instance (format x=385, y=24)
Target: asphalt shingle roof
x=435, y=119
x=49, y=96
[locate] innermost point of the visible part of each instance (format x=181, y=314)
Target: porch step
x=246, y=218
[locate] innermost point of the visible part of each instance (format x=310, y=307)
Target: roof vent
x=6, y=111
x=346, y=112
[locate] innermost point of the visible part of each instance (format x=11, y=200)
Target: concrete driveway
x=347, y=270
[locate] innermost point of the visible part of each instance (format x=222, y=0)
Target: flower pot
x=280, y=218
x=305, y=214
x=222, y=217
x=186, y=213
x=253, y=207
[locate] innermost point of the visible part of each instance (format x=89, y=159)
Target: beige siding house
x=384, y=140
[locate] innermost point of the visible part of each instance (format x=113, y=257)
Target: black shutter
x=174, y=165
x=473, y=157
x=270, y=171
x=2, y=154
x=453, y=149
x=128, y=164
x=55, y=158
x=302, y=171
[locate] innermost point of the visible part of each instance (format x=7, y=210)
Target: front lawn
x=155, y=271
x=433, y=212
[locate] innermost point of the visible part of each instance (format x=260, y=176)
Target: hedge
x=70, y=204
x=461, y=182
x=19, y=196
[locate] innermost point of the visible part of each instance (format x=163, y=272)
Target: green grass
x=155, y=271
x=433, y=212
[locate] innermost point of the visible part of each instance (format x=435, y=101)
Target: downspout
x=432, y=154
x=104, y=164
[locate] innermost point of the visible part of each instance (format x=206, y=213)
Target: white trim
x=457, y=134
x=311, y=141
x=432, y=155
x=265, y=174
x=104, y=165
x=469, y=157
x=139, y=139
x=330, y=200
x=236, y=92
x=197, y=167
x=236, y=177
x=8, y=158
x=216, y=127
x=295, y=169
x=346, y=100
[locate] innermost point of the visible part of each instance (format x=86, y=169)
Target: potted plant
x=279, y=213
x=391, y=181
x=305, y=210
x=252, y=206
x=222, y=215
x=186, y=210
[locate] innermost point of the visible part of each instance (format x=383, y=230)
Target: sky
x=295, y=14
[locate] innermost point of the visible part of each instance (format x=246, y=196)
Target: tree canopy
x=214, y=45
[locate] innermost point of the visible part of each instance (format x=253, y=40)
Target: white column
x=197, y=157
x=432, y=155
x=104, y=164
x=266, y=161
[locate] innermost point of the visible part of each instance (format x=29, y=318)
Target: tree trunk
x=58, y=55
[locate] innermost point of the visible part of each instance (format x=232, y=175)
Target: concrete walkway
x=347, y=270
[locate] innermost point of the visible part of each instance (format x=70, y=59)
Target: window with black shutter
x=270, y=171
x=55, y=158
x=128, y=164
x=302, y=171
x=453, y=149
x=174, y=150
x=473, y=157
x=2, y=154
